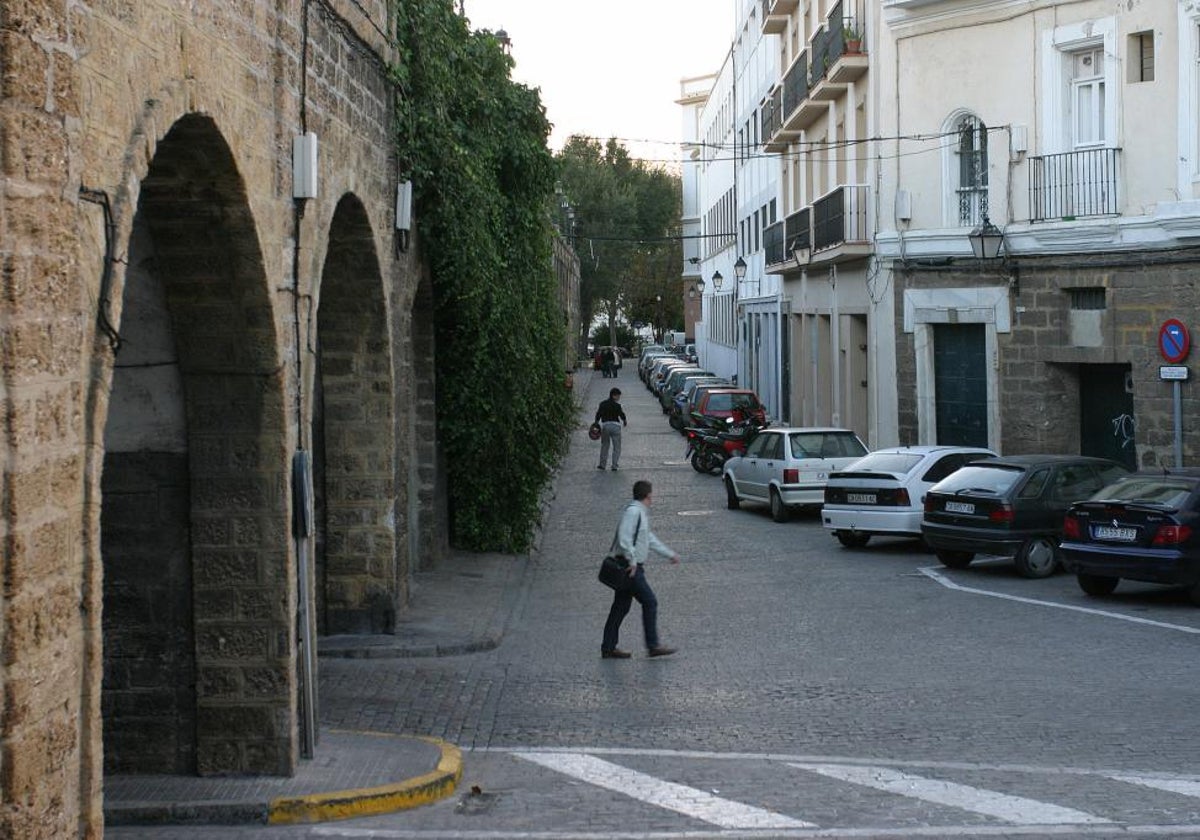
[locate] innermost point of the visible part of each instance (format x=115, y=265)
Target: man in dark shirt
x=611, y=418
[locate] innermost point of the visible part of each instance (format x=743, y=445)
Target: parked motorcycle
x=709, y=449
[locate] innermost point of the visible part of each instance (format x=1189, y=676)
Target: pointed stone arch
x=199, y=586
x=354, y=434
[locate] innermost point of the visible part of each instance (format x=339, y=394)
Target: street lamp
x=700, y=286
x=739, y=268
x=716, y=280
x=986, y=240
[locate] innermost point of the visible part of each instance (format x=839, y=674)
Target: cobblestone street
x=818, y=687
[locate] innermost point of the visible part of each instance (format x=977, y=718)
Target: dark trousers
x=622, y=601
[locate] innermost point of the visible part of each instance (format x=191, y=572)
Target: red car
x=716, y=406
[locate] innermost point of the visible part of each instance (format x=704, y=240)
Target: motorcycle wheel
x=698, y=462
x=716, y=464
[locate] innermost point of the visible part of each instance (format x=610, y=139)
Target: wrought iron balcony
x=771, y=120
x=799, y=230
x=840, y=218
x=799, y=109
x=773, y=244
x=784, y=238
x=1074, y=185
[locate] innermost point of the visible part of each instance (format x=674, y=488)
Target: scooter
x=709, y=449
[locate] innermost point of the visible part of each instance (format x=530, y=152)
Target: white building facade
x=1074, y=128
x=743, y=332
x=818, y=123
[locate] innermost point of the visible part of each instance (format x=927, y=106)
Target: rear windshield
x=826, y=445
x=888, y=462
x=1170, y=491
x=726, y=402
x=988, y=478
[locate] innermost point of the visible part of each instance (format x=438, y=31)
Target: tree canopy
x=626, y=233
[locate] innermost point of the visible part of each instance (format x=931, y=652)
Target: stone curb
x=367, y=802
x=309, y=808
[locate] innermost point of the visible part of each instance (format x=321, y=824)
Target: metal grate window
x=1088, y=298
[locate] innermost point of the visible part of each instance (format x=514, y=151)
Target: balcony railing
x=774, y=244
x=772, y=115
x=784, y=238
x=798, y=230
x=1073, y=185
x=795, y=84
x=840, y=217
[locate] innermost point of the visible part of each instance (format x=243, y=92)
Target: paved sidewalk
x=463, y=606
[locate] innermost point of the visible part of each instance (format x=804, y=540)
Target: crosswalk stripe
x=1014, y=809
x=1183, y=786
x=675, y=797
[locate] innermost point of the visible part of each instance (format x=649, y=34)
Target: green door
x=960, y=383
x=1106, y=422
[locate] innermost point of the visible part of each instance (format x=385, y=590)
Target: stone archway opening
x=199, y=596
x=354, y=436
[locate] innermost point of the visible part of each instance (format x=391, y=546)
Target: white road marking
x=957, y=832
x=1013, y=809
x=932, y=572
x=674, y=797
x=1184, y=786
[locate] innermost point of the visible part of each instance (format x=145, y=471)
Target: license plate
x=860, y=498
x=1105, y=532
x=959, y=507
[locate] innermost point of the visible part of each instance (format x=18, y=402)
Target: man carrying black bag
x=634, y=542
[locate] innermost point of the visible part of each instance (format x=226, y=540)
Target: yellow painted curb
x=367, y=802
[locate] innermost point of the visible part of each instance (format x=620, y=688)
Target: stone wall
x=176, y=121
x=1040, y=360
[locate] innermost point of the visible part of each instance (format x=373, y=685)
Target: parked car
x=715, y=406
x=648, y=358
x=787, y=467
x=662, y=370
x=681, y=402
x=1144, y=527
x=674, y=382
x=1011, y=506
x=883, y=493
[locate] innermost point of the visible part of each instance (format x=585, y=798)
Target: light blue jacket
x=636, y=542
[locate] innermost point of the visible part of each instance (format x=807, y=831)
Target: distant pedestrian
x=614, y=362
x=611, y=418
x=634, y=542
x=606, y=363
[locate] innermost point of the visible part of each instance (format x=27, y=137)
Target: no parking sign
x=1174, y=341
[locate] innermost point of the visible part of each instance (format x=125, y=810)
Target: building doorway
x=960, y=384
x=1107, y=425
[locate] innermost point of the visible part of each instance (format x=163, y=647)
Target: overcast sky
x=611, y=68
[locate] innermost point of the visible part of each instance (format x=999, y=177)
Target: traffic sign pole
x=1174, y=342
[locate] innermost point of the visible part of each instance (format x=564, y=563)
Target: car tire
x=1038, y=558
x=675, y=422
x=731, y=497
x=779, y=511
x=954, y=559
x=1097, y=585
x=852, y=539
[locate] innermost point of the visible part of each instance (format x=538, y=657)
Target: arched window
x=968, y=171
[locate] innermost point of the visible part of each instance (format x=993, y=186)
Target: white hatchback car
x=883, y=494
x=786, y=467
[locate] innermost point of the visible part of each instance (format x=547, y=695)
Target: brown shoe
x=661, y=651
x=615, y=653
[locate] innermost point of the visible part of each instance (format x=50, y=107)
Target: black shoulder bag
x=614, y=569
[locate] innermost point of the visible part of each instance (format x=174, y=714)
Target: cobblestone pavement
x=916, y=703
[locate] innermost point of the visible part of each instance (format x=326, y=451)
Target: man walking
x=611, y=418
x=634, y=542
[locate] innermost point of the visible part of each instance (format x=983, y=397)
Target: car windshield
x=981, y=478
x=727, y=402
x=826, y=445
x=886, y=462
x=1165, y=490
